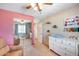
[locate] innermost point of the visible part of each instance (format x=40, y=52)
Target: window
x=21, y=29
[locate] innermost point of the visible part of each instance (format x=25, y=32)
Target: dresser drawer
x=69, y=53
x=59, y=50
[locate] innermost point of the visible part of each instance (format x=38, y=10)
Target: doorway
x=22, y=30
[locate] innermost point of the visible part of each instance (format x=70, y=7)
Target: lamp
x=22, y=21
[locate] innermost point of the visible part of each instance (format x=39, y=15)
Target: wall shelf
x=71, y=24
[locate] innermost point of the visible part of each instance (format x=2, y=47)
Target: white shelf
x=72, y=26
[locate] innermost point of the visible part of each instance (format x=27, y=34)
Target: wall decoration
x=48, y=22
x=48, y=31
x=71, y=24
x=54, y=26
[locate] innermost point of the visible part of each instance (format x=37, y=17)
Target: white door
x=40, y=32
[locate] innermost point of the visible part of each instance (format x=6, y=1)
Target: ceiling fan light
x=41, y=5
x=35, y=8
x=32, y=4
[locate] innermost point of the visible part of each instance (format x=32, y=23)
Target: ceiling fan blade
x=38, y=7
x=48, y=3
x=28, y=6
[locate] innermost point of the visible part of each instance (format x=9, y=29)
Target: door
x=40, y=32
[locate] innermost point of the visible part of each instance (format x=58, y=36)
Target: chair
x=13, y=50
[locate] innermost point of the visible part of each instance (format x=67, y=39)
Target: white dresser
x=63, y=46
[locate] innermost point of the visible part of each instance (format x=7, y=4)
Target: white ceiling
x=47, y=11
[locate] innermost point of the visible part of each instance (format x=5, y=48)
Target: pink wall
x=6, y=24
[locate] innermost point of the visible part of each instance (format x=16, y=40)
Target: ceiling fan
x=37, y=6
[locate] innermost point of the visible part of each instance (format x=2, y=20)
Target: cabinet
x=46, y=39
x=51, y=43
x=62, y=46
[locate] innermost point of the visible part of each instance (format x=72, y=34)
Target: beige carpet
x=37, y=50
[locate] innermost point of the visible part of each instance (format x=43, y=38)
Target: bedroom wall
x=39, y=32
x=58, y=19
x=6, y=24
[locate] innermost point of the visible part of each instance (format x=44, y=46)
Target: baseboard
x=55, y=52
